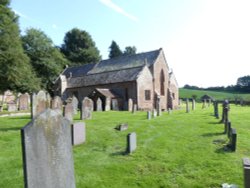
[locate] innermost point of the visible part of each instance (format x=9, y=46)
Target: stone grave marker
x=12, y=107
x=148, y=115
x=99, y=105
x=229, y=129
x=56, y=103
x=87, y=108
x=130, y=105
x=134, y=108
x=48, y=100
x=187, y=105
x=122, y=127
x=68, y=111
x=114, y=103
x=233, y=139
x=131, y=142
x=158, y=105
x=193, y=104
x=154, y=113
x=39, y=102
x=107, y=104
x=24, y=102
x=246, y=172
x=225, y=109
x=47, y=152
x=75, y=104
x=78, y=131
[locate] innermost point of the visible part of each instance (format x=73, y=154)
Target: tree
x=16, y=73
x=46, y=59
x=243, y=81
x=114, y=50
x=79, y=48
x=130, y=50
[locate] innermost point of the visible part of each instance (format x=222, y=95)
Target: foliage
x=244, y=81
x=79, y=48
x=16, y=72
x=114, y=50
x=176, y=150
x=130, y=50
x=46, y=59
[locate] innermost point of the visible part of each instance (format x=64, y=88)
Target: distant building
x=141, y=77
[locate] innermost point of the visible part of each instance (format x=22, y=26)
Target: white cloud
x=118, y=9
x=54, y=26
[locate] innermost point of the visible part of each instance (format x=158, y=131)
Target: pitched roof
x=106, y=92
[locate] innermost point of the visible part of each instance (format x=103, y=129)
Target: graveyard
x=176, y=149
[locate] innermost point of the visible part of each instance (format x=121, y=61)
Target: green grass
x=177, y=150
x=188, y=93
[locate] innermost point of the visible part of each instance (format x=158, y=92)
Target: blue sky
x=206, y=42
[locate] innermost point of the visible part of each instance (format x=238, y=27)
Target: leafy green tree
x=114, y=50
x=130, y=50
x=46, y=59
x=243, y=81
x=16, y=73
x=79, y=48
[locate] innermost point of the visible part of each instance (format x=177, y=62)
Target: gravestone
x=246, y=172
x=24, y=102
x=56, y=103
x=75, y=104
x=99, y=105
x=48, y=100
x=115, y=105
x=130, y=105
x=216, y=109
x=134, y=108
x=87, y=108
x=148, y=115
x=122, y=127
x=47, y=152
x=12, y=107
x=229, y=129
x=107, y=104
x=193, y=104
x=158, y=105
x=233, y=139
x=131, y=142
x=78, y=131
x=68, y=111
x=154, y=113
x=187, y=106
x=39, y=102
x=225, y=109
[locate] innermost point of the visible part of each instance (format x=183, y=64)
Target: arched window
x=162, y=82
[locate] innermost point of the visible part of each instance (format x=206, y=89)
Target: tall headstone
x=134, y=108
x=225, y=109
x=187, y=105
x=78, y=133
x=98, y=104
x=246, y=172
x=216, y=111
x=130, y=105
x=233, y=139
x=154, y=113
x=107, y=104
x=68, y=111
x=158, y=105
x=148, y=115
x=39, y=103
x=115, y=105
x=75, y=104
x=23, y=102
x=47, y=152
x=56, y=103
x=131, y=142
x=193, y=104
x=87, y=108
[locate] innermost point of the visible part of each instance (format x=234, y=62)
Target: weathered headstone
x=233, y=139
x=216, y=109
x=56, y=103
x=134, y=108
x=87, y=108
x=78, y=133
x=122, y=127
x=47, y=152
x=68, y=111
x=187, y=105
x=246, y=172
x=130, y=105
x=39, y=102
x=158, y=105
x=107, y=104
x=148, y=115
x=98, y=104
x=12, y=107
x=75, y=104
x=24, y=102
x=131, y=142
x=193, y=104
x=225, y=109
x=115, y=105
x=154, y=113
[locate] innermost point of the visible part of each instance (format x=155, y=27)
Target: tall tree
x=243, y=81
x=79, y=48
x=130, y=50
x=16, y=72
x=114, y=50
x=46, y=59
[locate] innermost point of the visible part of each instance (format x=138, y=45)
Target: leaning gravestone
x=24, y=102
x=39, y=102
x=87, y=108
x=68, y=111
x=56, y=103
x=78, y=133
x=130, y=105
x=75, y=104
x=98, y=104
x=47, y=152
x=131, y=142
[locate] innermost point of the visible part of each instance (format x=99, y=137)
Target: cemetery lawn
x=176, y=150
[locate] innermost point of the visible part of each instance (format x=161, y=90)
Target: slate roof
x=107, y=92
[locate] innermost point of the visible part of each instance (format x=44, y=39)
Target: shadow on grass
x=20, y=117
x=224, y=149
x=10, y=129
x=119, y=153
x=212, y=134
x=214, y=123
